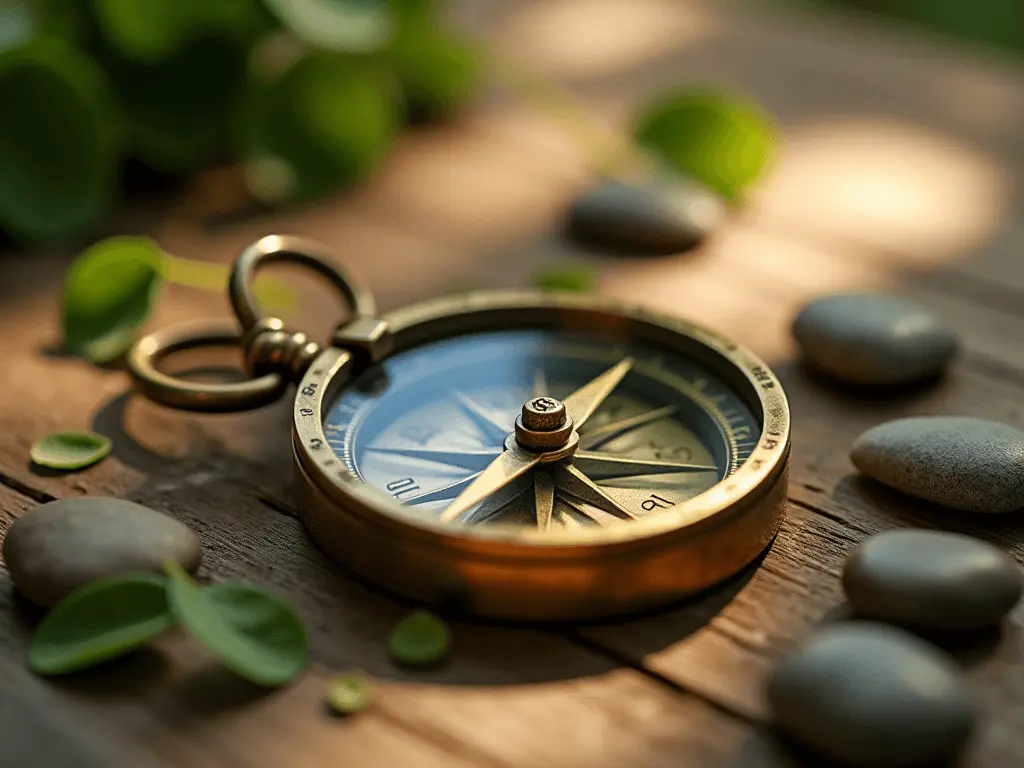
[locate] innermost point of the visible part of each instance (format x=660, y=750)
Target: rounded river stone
x=872, y=339
x=659, y=217
x=931, y=579
x=965, y=463
x=868, y=694
x=56, y=547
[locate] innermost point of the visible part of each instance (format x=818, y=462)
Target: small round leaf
x=324, y=123
x=723, y=141
x=70, y=450
x=256, y=635
x=100, y=621
x=565, y=277
x=108, y=294
x=420, y=639
x=58, y=141
x=348, y=693
x=337, y=25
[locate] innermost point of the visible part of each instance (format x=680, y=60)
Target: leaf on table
x=273, y=295
x=722, y=140
x=348, y=693
x=354, y=26
x=58, y=141
x=108, y=293
x=569, y=276
x=256, y=635
x=70, y=450
x=100, y=621
x=420, y=639
x=326, y=122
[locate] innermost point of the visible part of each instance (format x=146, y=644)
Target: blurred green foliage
x=995, y=23
x=308, y=95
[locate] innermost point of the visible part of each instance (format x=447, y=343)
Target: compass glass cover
x=425, y=423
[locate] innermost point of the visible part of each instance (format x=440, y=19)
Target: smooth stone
x=931, y=579
x=56, y=547
x=868, y=694
x=872, y=339
x=965, y=463
x=658, y=217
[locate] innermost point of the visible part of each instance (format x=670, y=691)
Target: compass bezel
x=722, y=529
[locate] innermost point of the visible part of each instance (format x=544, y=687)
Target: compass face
x=435, y=428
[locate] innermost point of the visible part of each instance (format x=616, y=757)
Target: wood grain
x=885, y=182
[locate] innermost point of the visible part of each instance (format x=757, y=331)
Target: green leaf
x=254, y=634
x=439, y=73
x=108, y=294
x=326, y=122
x=69, y=450
x=179, y=110
x=58, y=141
x=420, y=639
x=348, y=693
x=355, y=26
x=722, y=140
x=100, y=621
x=569, y=276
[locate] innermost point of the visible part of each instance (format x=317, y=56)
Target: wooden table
x=901, y=170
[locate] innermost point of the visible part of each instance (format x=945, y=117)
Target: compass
x=514, y=454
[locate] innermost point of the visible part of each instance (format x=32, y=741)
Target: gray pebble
x=957, y=461
x=56, y=547
x=874, y=340
x=871, y=695
x=931, y=579
x=662, y=216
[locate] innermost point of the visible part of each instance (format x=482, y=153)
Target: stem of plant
x=211, y=276
x=613, y=153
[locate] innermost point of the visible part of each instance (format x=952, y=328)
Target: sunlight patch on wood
x=886, y=184
x=577, y=38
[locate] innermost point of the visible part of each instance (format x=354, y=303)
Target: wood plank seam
x=624, y=660
x=25, y=489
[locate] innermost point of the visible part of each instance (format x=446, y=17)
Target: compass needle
x=502, y=471
x=544, y=499
x=569, y=479
x=582, y=403
x=488, y=422
x=473, y=459
x=595, y=438
x=602, y=465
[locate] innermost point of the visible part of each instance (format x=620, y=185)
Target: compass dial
x=608, y=432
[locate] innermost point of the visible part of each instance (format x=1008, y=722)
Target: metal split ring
x=274, y=357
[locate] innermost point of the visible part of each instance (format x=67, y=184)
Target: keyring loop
x=299, y=250
x=163, y=388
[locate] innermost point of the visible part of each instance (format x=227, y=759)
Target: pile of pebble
x=875, y=691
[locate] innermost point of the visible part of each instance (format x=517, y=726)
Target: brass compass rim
x=493, y=310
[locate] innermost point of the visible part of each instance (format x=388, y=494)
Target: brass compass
x=515, y=454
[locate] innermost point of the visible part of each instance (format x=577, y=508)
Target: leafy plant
x=419, y=640
x=306, y=96
x=100, y=621
x=70, y=450
x=258, y=636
